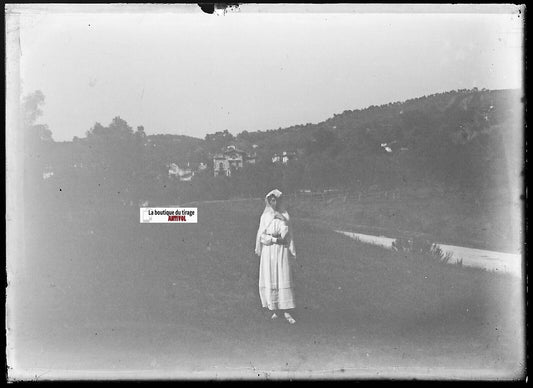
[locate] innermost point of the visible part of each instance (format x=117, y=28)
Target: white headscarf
x=266, y=218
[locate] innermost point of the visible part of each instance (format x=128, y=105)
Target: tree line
x=457, y=139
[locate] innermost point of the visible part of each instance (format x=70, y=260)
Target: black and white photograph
x=265, y=192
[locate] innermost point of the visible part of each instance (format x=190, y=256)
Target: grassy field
x=493, y=223
x=102, y=293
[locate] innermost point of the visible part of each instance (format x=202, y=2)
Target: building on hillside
x=284, y=157
x=183, y=174
x=231, y=159
x=393, y=147
x=386, y=147
x=287, y=156
x=65, y=159
x=48, y=172
x=251, y=158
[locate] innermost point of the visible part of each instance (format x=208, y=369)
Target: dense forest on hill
x=467, y=141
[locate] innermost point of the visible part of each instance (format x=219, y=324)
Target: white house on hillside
x=184, y=174
x=284, y=157
x=231, y=159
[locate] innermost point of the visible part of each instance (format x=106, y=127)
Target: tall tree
x=37, y=139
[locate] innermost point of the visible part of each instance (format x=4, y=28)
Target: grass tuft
x=423, y=249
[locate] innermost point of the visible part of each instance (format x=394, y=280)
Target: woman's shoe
x=289, y=318
x=274, y=316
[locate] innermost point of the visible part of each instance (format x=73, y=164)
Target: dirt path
x=480, y=258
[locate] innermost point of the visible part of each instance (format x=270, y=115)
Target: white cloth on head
x=276, y=193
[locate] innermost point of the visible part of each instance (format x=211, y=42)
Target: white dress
x=275, y=277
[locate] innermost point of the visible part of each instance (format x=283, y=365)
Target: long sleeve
x=282, y=232
x=278, y=228
x=267, y=239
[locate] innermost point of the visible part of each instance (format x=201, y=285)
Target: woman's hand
x=282, y=241
x=279, y=216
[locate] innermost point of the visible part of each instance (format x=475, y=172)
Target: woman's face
x=273, y=202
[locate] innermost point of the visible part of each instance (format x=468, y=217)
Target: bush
x=422, y=248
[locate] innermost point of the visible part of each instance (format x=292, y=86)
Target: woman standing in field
x=274, y=245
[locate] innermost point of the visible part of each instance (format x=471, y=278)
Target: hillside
x=464, y=139
x=468, y=141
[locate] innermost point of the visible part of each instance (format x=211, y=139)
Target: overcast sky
x=179, y=70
